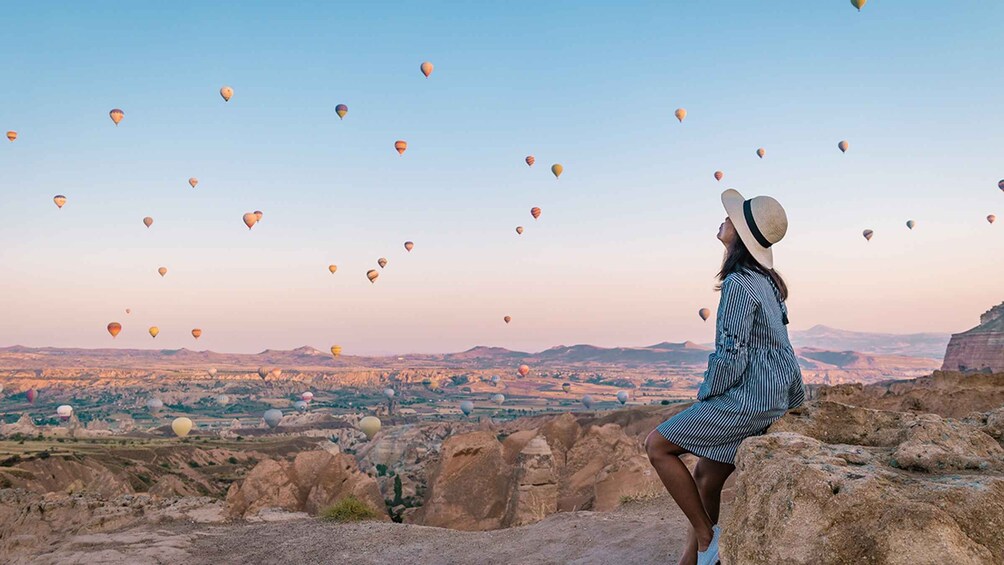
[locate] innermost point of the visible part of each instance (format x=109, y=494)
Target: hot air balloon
x=193, y=181
x=389, y=392
x=535, y=212
x=181, y=426
x=400, y=145
x=307, y=396
x=59, y=199
x=196, y=333
x=566, y=387
x=31, y=395
x=226, y=92
x=336, y=350
x=842, y=146
x=622, y=397
x=519, y=230
x=530, y=160
x=223, y=400
x=341, y=110
x=719, y=175
x=148, y=221
x=332, y=268
x=498, y=399
x=426, y=69
x=382, y=262
x=262, y=372
x=760, y=153
x=370, y=425
x=409, y=245
x=258, y=214
x=162, y=271
x=128, y=310
x=114, y=328
x=704, y=313
x=868, y=234
x=154, y=405
x=910, y=224
x=212, y=371
x=523, y=370
x=116, y=115
x=991, y=218
x=557, y=169
x=154, y=330
x=64, y=412
x=681, y=114
x=300, y=406
x=858, y=4
x=250, y=220
x=272, y=417
x=275, y=373
x=507, y=319
x=12, y=135
x=587, y=401
x=1000, y=184
x=372, y=275
x=466, y=406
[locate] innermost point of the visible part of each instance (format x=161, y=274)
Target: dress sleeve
x=732, y=333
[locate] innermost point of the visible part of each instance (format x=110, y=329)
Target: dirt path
x=638, y=533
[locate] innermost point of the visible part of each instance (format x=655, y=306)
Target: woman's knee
x=658, y=447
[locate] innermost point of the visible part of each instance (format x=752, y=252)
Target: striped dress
x=752, y=378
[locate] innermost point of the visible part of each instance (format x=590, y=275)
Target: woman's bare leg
x=665, y=457
x=710, y=477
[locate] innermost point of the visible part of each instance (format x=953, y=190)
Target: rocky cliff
x=981, y=348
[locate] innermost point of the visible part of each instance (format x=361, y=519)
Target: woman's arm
x=734, y=323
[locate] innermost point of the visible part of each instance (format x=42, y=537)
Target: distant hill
x=926, y=345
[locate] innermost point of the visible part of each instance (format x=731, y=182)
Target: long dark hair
x=737, y=256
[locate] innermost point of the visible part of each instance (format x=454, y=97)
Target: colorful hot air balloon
x=262, y=372
x=704, y=313
x=181, y=426
x=524, y=370
x=59, y=199
x=557, y=169
x=148, y=221
x=332, y=268
x=64, y=412
x=162, y=271
x=681, y=113
x=382, y=262
x=910, y=224
x=372, y=275
x=114, y=328
x=307, y=396
x=535, y=212
x=426, y=69
x=193, y=181
x=760, y=153
x=154, y=405
x=842, y=146
x=868, y=234
x=519, y=230
x=1000, y=184
x=498, y=399
x=370, y=425
x=116, y=115
x=226, y=92
x=196, y=333
x=719, y=175
x=341, y=110
x=336, y=350
x=128, y=310
x=587, y=401
x=530, y=160
x=858, y=4
x=991, y=218
x=212, y=371
x=566, y=387
x=258, y=215
x=154, y=330
x=12, y=135
x=466, y=406
x=507, y=319
x=408, y=246
x=300, y=406
x=400, y=145
x=31, y=395
x=272, y=417
x=622, y=397
x=250, y=220
x=223, y=400
x=275, y=373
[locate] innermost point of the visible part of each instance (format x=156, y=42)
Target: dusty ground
x=639, y=533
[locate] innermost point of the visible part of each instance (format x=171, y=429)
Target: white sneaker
x=710, y=556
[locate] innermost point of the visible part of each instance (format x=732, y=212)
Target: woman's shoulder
x=741, y=281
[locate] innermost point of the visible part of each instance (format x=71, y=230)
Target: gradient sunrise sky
x=625, y=251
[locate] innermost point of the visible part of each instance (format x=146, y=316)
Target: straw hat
x=759, y=221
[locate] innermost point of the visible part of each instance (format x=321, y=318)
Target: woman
x=752, y=378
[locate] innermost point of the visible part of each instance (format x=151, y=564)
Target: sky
x=624, y=252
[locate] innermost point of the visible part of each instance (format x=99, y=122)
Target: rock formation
x=832, y=483
x=946, y=393
x=535, y=489
x=981, y=348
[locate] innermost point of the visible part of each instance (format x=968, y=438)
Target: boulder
x=535, y=489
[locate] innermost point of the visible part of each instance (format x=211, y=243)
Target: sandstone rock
x=980, y=348
x=268, y=485
x=946, y=393
x=535, y=489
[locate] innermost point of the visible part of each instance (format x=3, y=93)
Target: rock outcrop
x=832, y=483
x=947, y=393
x=981, y=348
